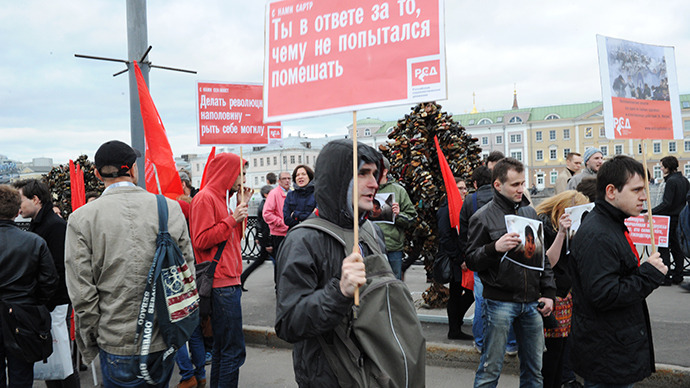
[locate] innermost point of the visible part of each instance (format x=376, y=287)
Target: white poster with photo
x=530, y=252
x=383, y=208
x=577, y=214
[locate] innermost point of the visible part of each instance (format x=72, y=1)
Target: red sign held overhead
x=232, y=114
x=332, y=56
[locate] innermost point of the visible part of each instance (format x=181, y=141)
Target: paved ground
x=451, y=363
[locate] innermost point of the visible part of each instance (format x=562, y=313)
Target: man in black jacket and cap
x=611, y=333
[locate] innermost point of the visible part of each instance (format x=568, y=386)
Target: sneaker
x=209, y=357
x=460, y=336
x=511, y=353
x=477, y=347
x=685, y=286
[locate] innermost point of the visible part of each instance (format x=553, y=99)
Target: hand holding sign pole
x=355, y=193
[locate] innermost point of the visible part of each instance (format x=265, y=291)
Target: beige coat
x=562, y=181
x=109, y=249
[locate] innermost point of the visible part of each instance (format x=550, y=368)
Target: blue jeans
x=478, y=322
x=20, y=372
x=122, y=371
x=196, y=367
x=228, y=338
x=395, y=260
x=589, y=384
x=529, y=330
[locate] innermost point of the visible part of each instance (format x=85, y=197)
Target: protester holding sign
x=511, y=292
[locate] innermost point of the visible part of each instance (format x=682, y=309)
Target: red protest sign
x=640, y=90
x=333, y=56
x=231, y=114
x=639, y=230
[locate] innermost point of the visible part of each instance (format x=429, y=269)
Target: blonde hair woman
x=556, y=224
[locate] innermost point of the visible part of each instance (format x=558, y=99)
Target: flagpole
x=244, y=222
x=355, y=193
x=649, y=198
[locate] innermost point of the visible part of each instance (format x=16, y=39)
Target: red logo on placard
x=424, y=73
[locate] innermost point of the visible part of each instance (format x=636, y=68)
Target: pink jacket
x=273, y=212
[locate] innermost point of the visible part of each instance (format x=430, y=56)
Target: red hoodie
x=212, y=222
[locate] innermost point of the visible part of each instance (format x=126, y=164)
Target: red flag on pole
x=452, y=192
x=211, y=155
x=76, y=183
x=161, y=173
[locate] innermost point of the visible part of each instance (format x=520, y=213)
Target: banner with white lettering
x=233, y=114
x=639, y=86
x=332, y=56
x=640, y=234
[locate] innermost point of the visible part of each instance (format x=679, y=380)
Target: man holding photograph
x=511, y=292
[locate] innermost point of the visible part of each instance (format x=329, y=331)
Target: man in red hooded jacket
x=212, y=222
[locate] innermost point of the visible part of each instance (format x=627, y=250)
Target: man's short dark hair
x=377, y=203
x=504, y=165
x=588, y=187
x=91, y=194
x=495, y=156
x=34, y=187
x=571, y=155
x=482, y=176
x=617, y=172
x=10, y=201
x=310, y=172
x=272, y=178
x=670, y=163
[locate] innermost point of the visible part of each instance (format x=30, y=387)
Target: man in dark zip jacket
x=611, y=333
x=511, y=292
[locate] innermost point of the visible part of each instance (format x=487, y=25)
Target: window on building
x=499, y=139
x=552, y=135
x=307, y=159
x=268, y=161
x=618, y=149
x=657, y=172
x=516, y=138
x=299, y=159
x=687, y=145
x=639, y=148
x=515, y=120
x=588, y=133
x=656, y=147
x=471, y=122
x=284, y=159
x=499, y=119
x=553, y=176
x=516, y=155
x=484, y=121
x=686, y=104
x=255, y=161
x=671, y=146
x=566, y=134
x=261, y=162
x=686, y=125
x=540, y=155
x=485, y=140
x=566, y=151
x=602, y=132
x=552, y=116
x=256, y=181
x=292, y=159
x=537, y=135
x=604, y=150
x=367, y=132
x=553, y=154
x=275, y=160
x=197, y=168
x=686, y=170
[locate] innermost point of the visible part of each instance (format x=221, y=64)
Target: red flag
x=76, y=183
x=452, y=192
x=210, y=158
x=161, y=174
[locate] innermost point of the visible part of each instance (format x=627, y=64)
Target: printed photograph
x=383, y=208
x=530, y=252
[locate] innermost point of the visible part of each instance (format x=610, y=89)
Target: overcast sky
x=55, y=105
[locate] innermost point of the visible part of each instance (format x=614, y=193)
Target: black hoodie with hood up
x=308, y=298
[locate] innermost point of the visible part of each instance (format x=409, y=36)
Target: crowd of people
x=581, y=311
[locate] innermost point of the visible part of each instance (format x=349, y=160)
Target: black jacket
x=611, y=333
x=299, y=204
x=484, y=195
x=28, y=272
x=502, y=279
x=449, y=242
x=676, y=190
x=52, y=228
x=308, y=298
x=263, y=231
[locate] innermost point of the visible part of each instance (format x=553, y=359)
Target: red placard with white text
x=640, y=90
x=332, y=56
x=232, y=114
x=639, y=230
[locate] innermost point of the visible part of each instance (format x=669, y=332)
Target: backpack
x=171, y=294
x=683, y=230
x=380, y=343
